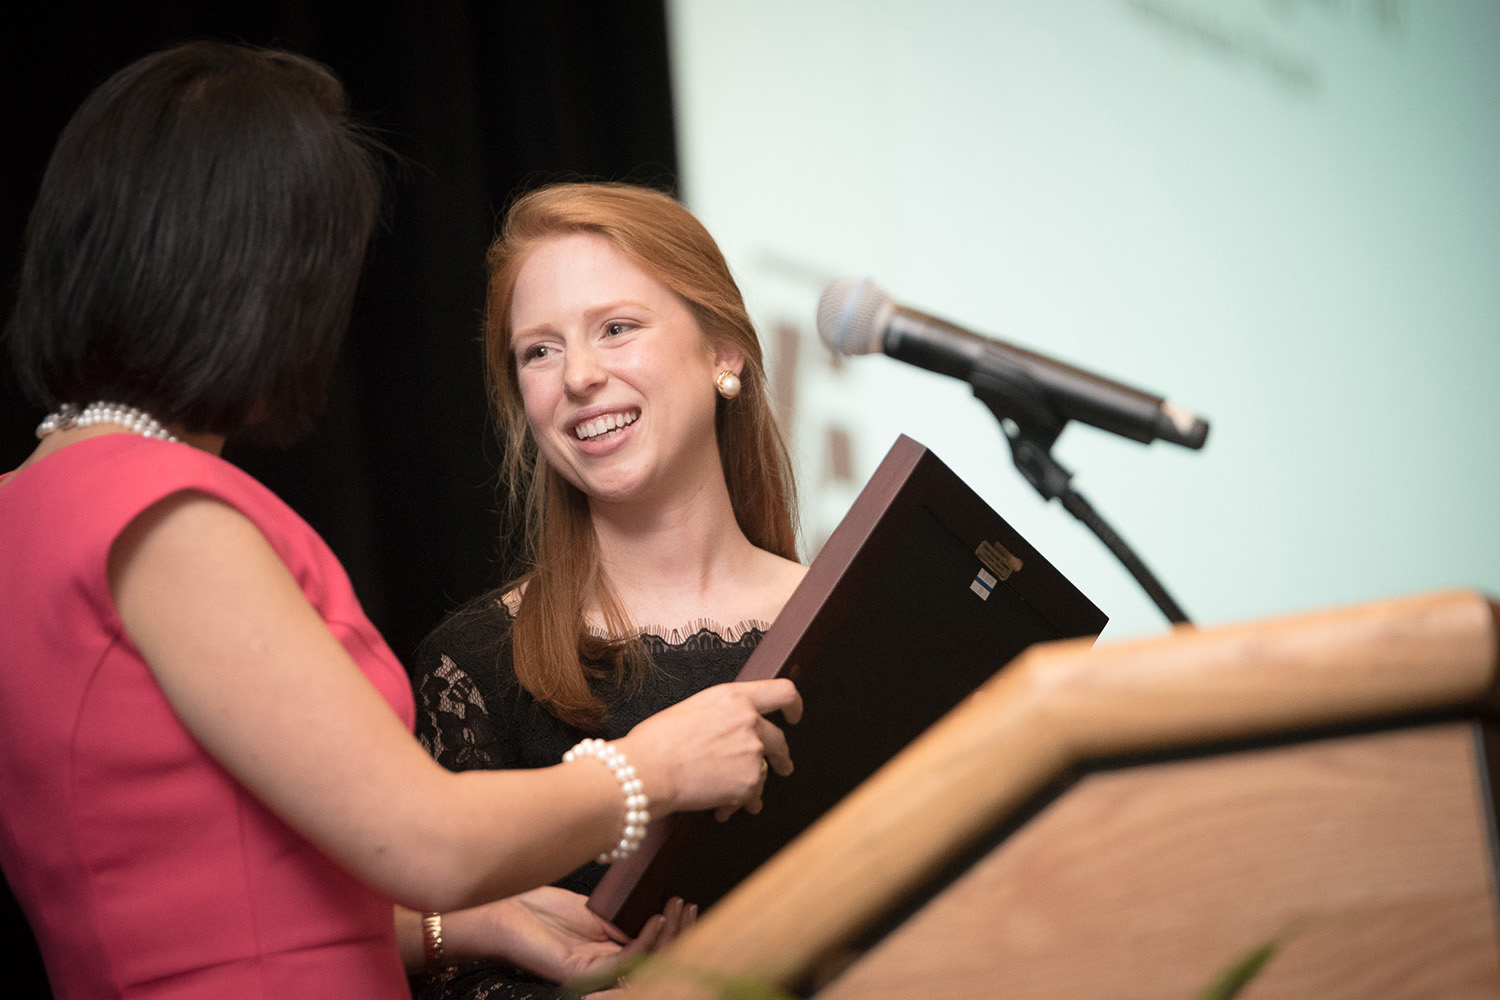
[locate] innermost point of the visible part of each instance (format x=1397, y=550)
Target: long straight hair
x=554, y=651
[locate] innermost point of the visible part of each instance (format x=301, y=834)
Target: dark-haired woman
x=627, y=381
x=209, y=786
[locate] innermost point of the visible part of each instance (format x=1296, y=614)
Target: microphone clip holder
x=1031, y=428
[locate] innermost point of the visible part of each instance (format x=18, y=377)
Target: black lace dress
x=472, y=714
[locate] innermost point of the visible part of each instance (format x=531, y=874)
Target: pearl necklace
x=134, y=420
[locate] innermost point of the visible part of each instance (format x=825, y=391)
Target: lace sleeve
x=453, y=723
x=463, y=723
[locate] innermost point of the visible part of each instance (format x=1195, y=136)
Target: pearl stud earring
x=728, y=383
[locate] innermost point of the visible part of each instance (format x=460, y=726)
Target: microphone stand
x=1031, y=428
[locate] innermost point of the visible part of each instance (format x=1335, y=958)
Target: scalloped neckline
x=730, y=635
x=673, y=638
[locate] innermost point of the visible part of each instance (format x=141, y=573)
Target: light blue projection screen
x=1282, y=215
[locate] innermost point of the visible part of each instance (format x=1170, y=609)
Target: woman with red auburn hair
x=628, y=387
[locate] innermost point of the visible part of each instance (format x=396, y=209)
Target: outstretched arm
x=549, y=932
x=254, y=674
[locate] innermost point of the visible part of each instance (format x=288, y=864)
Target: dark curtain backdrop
x=480, y=100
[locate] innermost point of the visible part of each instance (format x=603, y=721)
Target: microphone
x=856, y=317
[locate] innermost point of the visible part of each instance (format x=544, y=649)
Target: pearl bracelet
x=636, y=803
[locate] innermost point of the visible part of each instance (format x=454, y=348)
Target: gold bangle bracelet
x=432, y=939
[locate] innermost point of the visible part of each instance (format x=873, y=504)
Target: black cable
x=1084, y=511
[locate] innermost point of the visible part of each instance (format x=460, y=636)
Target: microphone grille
x=852, y=315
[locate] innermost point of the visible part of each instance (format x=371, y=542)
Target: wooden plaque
x=921, y=594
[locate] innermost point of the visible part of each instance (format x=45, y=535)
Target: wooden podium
x=1129, y=820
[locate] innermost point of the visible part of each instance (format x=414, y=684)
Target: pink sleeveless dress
x=145, y=869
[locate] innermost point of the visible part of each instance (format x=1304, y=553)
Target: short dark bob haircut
x=197, y=241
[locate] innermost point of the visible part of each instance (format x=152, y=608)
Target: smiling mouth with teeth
x=591, y=430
